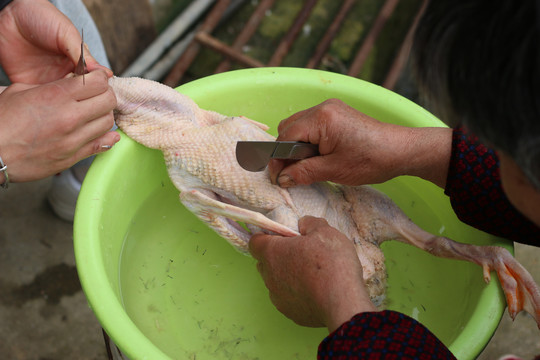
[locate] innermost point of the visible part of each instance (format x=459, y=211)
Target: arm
x=357, y=149
x=476, y=194
x=48, y=127
x=316, y=279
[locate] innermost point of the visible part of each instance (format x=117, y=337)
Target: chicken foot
x=520, y=289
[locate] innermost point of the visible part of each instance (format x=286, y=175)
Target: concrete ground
x=43, y=311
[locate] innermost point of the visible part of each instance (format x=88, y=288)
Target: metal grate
x=233, y=53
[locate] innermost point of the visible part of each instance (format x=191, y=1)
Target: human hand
x=39, y=44
x=314, y=279
x=356, y=149
x=45, y=129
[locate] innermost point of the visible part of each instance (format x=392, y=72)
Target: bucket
x=164, y=286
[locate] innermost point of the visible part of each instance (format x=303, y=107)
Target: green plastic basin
x=164, y=286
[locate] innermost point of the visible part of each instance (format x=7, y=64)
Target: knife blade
x=255, y=155
x=81, y=68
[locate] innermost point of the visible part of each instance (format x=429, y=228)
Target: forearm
x=476, y=193
x=345, y=306
x=425, y=153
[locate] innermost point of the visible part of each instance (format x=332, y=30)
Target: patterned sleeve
x=382, y=335
x=476, y=194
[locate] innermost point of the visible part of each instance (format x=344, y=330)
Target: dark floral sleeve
x=382, y=335
x=476, y=193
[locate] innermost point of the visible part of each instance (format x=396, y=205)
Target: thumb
x=71, y=42
x=261, y=244
x=305, y=172
x=258, y=245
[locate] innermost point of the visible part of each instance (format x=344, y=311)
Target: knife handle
x=295, y=150
x=303, y=151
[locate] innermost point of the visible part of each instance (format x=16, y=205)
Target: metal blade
x=81, y=68
x=254, y=155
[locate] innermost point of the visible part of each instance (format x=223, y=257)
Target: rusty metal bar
x=246, y=33
x=233, y=53
x=403, y=55
x=176, y=30
x=193, y=49
x=324, y=44
x=369, y=41
x=216, y=45
x=289, y=38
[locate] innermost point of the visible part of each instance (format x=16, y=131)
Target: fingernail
x=285, y=181
x=106, y=146
x=273, y=174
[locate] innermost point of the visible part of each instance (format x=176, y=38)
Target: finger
x=92, y=64
x=284, y=124
x=70, y=45
x=260, y=267
x=97, y=66
x=305, y=172
x=17, y=87
x=96, y=146
x=96, y=127
x=295, y=132
x=69, y=41
x=303, y=126
x=258, y=245
x=94, y=83
x=261, y=244
x=87, y=133
x=308, y=224
x=92, y=108
x=274, y=168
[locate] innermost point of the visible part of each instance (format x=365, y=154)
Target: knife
x=81, y=68
x=255, y=155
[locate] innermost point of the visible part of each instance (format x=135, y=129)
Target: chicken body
x=199, y=152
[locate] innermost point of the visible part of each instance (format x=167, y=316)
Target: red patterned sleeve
x=382, y=335
x=476, y=193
